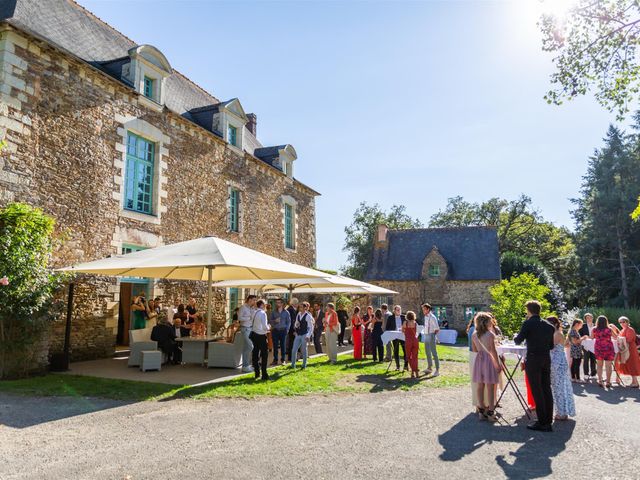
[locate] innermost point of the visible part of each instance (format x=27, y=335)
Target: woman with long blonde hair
x=486, y=366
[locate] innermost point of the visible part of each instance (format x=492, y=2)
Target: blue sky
x=386, y=102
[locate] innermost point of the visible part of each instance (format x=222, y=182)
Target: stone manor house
x=451, y=268
x=126, y=153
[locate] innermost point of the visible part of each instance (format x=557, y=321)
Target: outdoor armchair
x=224, y=354
x=139, y=340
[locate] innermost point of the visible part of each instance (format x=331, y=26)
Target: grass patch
x=347, y=375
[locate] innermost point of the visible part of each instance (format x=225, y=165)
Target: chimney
x=252, y=123
x=381, y=236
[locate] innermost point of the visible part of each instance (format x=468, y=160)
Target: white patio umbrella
x=208, y=258
x=327, y=284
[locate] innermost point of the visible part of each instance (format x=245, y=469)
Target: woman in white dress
x=560, y=378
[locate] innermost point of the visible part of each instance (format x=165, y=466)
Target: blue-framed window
x=289, y=233
x=232, y=135
x=234, y=210
x=148, y=87
x=138, y=190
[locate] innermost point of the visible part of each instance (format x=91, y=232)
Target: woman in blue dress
x=560, y=378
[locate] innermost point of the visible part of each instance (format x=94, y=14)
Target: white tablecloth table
x=590, y=345
x=521, y=352
x=194, y=348
x=391, y=335
x=512, y=349
x=448, y=336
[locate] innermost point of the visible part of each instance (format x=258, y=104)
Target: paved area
x=191, y=374
x=419, y=434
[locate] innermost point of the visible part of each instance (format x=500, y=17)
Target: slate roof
x=72, y=28
x=471, y=253
x=268, y=154
x=69, y=26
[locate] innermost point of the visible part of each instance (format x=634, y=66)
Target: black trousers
x=396, y=353
x=290, y=337
x=343, y=327
x=317, y=334
x=575, y=368
x=378, y=347
x=538, y=368
x=259, y=354
x=589, y=365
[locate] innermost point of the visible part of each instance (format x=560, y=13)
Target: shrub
x=26, y=243
x=509, y=297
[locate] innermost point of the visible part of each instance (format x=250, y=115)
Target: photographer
x=139, y=313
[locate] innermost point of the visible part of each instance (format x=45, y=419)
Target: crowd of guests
x=169, y=324
x=549, y=371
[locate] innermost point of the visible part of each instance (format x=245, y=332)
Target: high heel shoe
x=490, y=416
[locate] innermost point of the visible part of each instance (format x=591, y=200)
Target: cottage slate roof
x=471, y=253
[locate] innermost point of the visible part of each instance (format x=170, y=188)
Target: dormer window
x=280, y=157
x=147, y=71
x=434, y=270
x=232, y=135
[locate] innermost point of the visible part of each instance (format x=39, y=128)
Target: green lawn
x=347, y=375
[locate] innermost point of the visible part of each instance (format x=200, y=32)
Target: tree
x=509, y=297
x=512, y=264
x=26, y=244
x=596, y=44
x=360, y=234
x=608, y=241
x=521, y=230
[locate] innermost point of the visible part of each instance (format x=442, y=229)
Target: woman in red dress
x=603, y=348
x=356, y=333
x=411, y=342
x=632, y=365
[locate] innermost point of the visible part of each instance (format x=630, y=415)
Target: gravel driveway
x=419, y=434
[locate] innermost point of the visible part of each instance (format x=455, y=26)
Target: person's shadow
x=531, y=460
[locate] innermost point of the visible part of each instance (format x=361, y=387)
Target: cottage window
x=289, y=226
x=232, y=135
x=148, y=87
x=234, y=210
x=139, y=174
x=434, y=270
x=470, y=312
x=442, y=312
x=140, y=284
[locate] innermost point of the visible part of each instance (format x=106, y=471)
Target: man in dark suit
x=318, y=326
x=394, y=322
x=164, y=334
x=539, y=336
x=589, y=363
x=179, y=332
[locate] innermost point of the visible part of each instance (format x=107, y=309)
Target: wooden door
x=124, y=313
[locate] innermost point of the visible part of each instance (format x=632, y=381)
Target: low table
x=194, y=348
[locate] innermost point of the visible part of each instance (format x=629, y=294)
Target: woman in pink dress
x=603, y=348
x=632, y=366
x=411, y=342
x=356, y=333
x=486, y=367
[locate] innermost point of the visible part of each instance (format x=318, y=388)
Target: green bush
x=26, y=244
x=509, y=297
x=613, y=313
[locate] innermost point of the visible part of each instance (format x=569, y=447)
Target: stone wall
x=458, y=294
x=65, y=124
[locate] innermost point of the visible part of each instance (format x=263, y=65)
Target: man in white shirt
x=431, y=329
x=303, y=328
x=259, y=329
x=385, y=315
x=245, y=317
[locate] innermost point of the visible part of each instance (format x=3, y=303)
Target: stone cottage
x=127, y=153
x=450, y=268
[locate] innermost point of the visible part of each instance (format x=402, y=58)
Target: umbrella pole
x=209, y=288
